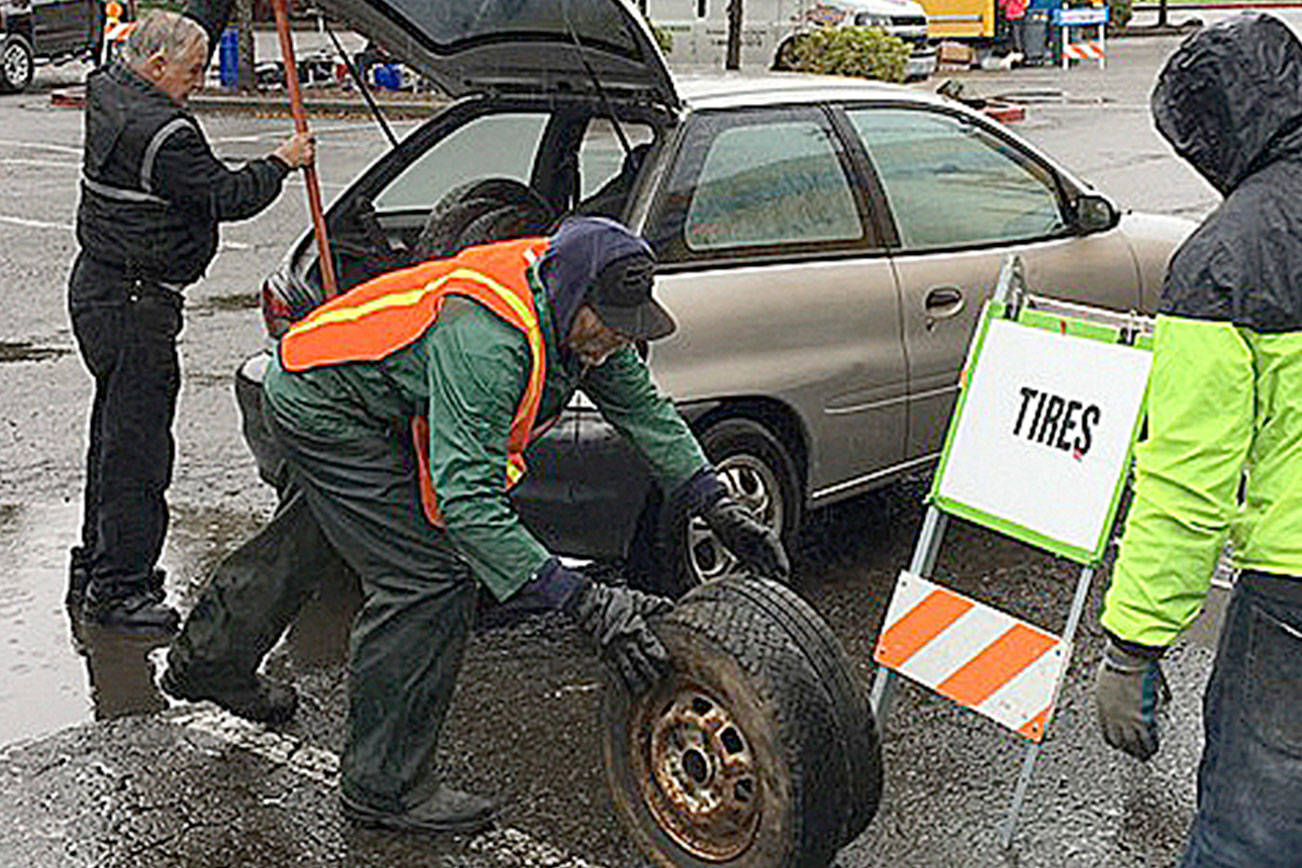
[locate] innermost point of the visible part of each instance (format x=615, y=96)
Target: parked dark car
x=36, y=32
x=825, y=245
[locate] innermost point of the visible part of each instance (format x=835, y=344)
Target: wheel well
x=772, y=414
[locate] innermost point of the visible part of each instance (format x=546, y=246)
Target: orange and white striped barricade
x=116, y=30
x=1039, y=449
x=1084, y=49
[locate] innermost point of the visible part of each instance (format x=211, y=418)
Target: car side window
x=488, y=146
x=756, y=182
x=601, y=154
x=952, y=183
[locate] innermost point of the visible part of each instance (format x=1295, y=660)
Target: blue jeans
x=1250, y=778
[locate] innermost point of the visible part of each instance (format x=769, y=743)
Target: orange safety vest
x=381, y=316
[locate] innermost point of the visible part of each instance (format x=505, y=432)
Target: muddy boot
x=140, y=613
x=447, y=811
x=251, y=697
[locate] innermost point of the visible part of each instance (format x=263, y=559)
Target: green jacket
x=1223, y=456
x=467, y=374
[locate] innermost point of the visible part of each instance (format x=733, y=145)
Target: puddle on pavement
x=26, y=351
x=56, y=672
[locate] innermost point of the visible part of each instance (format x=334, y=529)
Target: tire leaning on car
x=758, y=750
x=758, y=470
x=17, y=64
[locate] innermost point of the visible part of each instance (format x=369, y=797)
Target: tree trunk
x=1161, y=13
x=733, y=57
x=248, y=56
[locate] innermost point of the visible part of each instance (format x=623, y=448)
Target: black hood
x=1230, y=99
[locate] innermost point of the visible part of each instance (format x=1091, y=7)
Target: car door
x=781, y=286
x=963, y=196
x=59, y=26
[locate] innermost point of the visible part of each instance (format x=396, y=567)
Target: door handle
x=942, y=302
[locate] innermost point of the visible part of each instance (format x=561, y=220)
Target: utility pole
x=733, y=57
x=248, y=56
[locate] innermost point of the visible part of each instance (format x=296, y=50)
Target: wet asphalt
x=97, y=768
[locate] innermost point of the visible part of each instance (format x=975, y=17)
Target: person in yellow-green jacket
x=1223, y=455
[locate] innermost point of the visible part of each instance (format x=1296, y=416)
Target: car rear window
x=489, y=146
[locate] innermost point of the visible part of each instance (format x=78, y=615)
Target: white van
x=700, y=28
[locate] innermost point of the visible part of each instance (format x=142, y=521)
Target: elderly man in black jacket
x=152, y=194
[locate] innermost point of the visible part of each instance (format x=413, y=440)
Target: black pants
x=126, y=332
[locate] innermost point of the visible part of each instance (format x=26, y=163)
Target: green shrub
x=866, y=52
x=664, y=38
x=1120, y=12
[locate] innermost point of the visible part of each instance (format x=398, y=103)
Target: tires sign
x=1040, y=444
x=1038, y=449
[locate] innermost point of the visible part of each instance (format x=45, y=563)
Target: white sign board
x=1044, y=431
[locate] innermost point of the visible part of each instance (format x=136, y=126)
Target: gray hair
x=161, y=32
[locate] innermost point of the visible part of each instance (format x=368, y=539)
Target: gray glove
x=615, y=618
x=755, y=545
x=1128, y=691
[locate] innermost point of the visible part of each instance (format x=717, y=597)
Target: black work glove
x=756, y=546
x=614, y=617
x=1128, y=691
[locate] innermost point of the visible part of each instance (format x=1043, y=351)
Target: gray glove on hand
x=756, y=546
x=1128, y=691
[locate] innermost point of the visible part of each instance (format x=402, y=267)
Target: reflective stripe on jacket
x=386, y=314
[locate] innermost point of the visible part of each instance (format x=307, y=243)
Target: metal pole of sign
x=1009, y=827
x=924, y=561
x=328, y=282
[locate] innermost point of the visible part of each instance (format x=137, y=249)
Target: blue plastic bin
x=229, y=57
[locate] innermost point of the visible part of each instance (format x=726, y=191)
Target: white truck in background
x=699, y=28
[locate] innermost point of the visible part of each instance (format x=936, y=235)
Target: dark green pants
x=358, y=493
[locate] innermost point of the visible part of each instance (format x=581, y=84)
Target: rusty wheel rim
x=698, y=774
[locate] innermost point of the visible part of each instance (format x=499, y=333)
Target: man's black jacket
x=152, y=190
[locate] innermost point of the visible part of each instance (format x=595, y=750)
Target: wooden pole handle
x=281, y=9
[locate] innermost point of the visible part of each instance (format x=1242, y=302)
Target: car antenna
x=596, y=83
x=361, y=84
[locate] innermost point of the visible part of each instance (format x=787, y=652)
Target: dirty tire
x=682, y=552
x=502, y=224
x=760, y=726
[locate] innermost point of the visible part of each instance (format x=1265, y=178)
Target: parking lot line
x=507, y=844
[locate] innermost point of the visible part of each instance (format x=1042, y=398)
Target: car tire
x=746, y=755
x=784, y=59
x=757, y=469
x=502, y=224
x=452, y=215
x=17, y=64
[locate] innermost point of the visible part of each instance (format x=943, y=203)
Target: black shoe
x=447, y=811
x=255, y=698
x=78, y=577
x=140, y=613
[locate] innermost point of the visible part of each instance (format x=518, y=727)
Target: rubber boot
x=252, y=697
